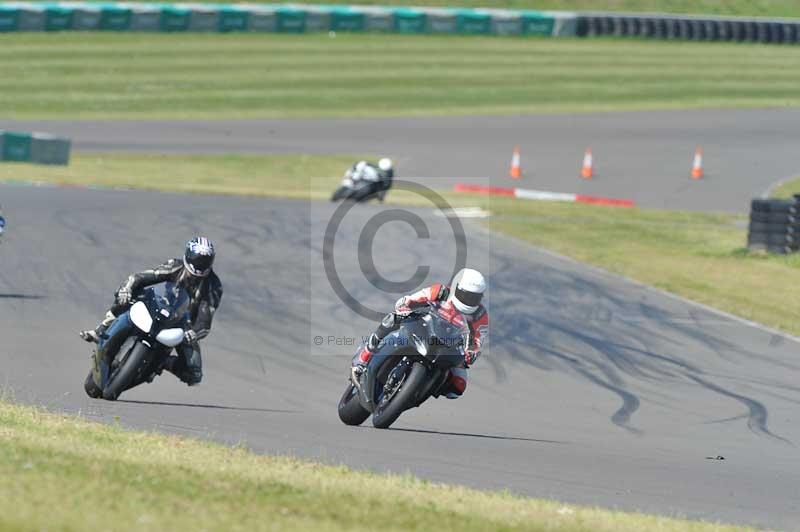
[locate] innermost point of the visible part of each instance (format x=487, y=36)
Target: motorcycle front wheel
x=350, y=410
x=130, y=371
x=387, y=412
x=339, y=193
x=92, y=389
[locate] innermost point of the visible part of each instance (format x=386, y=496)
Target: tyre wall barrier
x=284, y=18
x=774, y=225
x=299, y=18
x=40, y=148
x=689, y=27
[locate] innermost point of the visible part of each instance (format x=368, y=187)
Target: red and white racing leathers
x=477, y=322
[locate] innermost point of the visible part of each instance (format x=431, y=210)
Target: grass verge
x=699, y=256
x=787, y=189
x=81, y=75
x=91, y=476
x=695, y=255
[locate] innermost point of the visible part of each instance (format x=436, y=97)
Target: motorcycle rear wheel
x=403, y=399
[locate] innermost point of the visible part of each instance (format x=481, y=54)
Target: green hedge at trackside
x=295, y=18
x=40, y=148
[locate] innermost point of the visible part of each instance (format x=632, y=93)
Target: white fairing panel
x=170, y=337
x=140, y=316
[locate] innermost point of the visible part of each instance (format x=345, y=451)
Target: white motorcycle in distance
x=365, y=181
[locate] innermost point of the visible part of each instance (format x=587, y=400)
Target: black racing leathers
x=205, y=294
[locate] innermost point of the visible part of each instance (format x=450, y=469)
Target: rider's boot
x=456, y=383
x=94, y=335
x=363, y=357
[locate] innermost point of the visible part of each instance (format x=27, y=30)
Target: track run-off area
x=593, y=390
x=644, y=156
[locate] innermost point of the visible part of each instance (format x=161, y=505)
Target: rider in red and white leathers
x=459, y=301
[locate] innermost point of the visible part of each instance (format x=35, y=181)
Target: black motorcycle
x=362, y=190
x=135, y=347
x=410, y=366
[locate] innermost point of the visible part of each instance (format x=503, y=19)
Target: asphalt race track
x=594, y=390
x=645, y=156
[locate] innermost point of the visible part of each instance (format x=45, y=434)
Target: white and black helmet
x=199, y=256
x=466, y=290
x=385, y=164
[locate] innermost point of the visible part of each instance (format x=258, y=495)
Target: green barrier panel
x=49, y=149
x=202, y=17
x=262, y=18
x=9, y=18
x=174, y=18
x=232, y=19
x=57, y=18
x=317, y=18
x=377, y=18
x=85, y=15
x=346, y=20
x=115, y=18
x=410, y=21
x=145, y=17
x=31, y=17
x=473, y=22
x=441, y=20
x=16, y=146
x=537, y=24
x=291, y=20
x=506, y=23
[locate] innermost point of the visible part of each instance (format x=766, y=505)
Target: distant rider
x=463, y=297
x=378, y=176
x=195, y=274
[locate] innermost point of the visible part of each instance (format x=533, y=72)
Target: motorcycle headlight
x=140, y=316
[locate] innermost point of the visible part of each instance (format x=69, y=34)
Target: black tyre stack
x=774, y=225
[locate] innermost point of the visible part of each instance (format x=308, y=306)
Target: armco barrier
x=283, y=18
x=40, y=148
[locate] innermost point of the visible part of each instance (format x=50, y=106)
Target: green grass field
x=696, y=255
x=98, y=75
x=63, y=473
x=787, y=189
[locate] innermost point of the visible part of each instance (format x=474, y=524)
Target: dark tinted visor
x=199, y=264
x=468, y=298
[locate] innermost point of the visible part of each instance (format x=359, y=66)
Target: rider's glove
x=124, y=296
x=470, y=356
x=190, y=337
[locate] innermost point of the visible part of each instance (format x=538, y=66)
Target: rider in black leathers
x=194, y=272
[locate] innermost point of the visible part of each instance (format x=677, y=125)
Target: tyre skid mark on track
x=757, y=412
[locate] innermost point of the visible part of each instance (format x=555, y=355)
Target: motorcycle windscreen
x=449, y=331
x=170, y=337
x=172, y=301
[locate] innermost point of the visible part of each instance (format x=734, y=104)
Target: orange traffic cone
x=516, y=169
x=587, y=172
x=697, y=165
